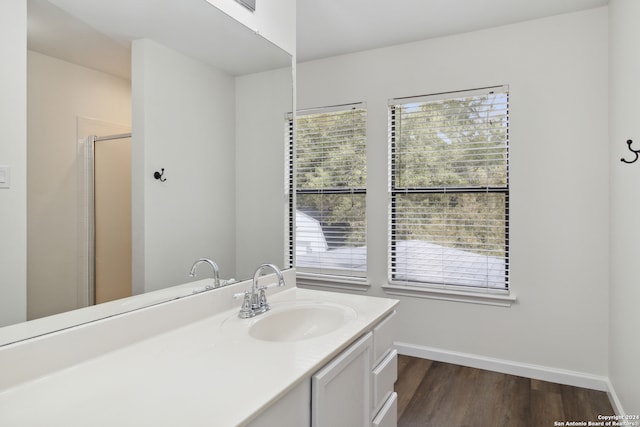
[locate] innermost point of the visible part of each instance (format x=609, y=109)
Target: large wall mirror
x=204, y=100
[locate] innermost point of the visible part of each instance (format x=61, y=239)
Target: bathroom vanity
x=316, y=358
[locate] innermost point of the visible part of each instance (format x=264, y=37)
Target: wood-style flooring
x=436, y=394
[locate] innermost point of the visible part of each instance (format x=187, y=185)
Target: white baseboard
x=614, y=400
x=544, y=373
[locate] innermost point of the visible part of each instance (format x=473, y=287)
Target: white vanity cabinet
x=355, y=389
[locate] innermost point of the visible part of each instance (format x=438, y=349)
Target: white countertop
x=209, y=372
x=33, y=328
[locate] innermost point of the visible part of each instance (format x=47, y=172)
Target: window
x=449, y=187
x=330, y=180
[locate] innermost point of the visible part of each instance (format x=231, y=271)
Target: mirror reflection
x=204, y=99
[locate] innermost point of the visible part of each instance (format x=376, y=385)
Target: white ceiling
x=98, y=34
x=54, y=32
x=334, y=27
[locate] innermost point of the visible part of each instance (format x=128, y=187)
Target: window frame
x=449, y=291
x=326, y=277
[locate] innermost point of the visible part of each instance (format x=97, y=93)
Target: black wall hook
x=636, y=152
x=158, y=175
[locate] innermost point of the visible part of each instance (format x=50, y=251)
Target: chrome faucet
x=255, y=302
x=216, y=272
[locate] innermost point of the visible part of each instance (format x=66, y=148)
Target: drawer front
x=383, y=337
x=388, y=415
x=384, y=377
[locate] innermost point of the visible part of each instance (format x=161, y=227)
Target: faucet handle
x=246, y=311
x=262, y=299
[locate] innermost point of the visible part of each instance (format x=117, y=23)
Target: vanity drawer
x=388, y=415
x=383, y=335
x=384, y=377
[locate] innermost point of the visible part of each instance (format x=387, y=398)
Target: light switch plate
x=5, y=176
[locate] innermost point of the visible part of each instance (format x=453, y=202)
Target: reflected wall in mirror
x=205, y=99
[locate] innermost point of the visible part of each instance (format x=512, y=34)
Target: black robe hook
x=636, y=152
x=158, y=175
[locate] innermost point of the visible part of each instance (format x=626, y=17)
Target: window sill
x=496, y=298
x=308, y=280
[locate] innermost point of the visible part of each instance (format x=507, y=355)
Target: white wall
x=624, y=92
x=557, y=72
x=13, y=153
x=262, y=101
x=183, y=121
x=60, y=92
x=275, y=20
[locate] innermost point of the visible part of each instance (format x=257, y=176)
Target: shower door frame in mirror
x=105, y=219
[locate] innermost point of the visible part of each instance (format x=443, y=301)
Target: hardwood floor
x=436, y=394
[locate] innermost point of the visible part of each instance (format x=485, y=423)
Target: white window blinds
x=330, y=180
x=449, y=186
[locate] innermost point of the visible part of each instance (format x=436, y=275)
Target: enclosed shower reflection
x=108, y=214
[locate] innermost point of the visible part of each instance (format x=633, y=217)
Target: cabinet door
x=340, y=391
x=292, y=410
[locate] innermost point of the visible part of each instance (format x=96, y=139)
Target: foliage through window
x=449, y=185
x=330, y=191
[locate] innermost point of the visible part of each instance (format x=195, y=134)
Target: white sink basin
x=299, y=322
